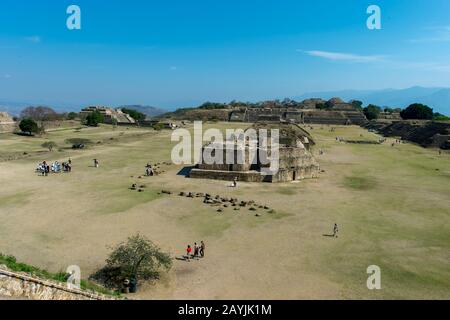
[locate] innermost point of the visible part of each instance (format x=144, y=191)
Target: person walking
x=96, y=163
x=196, y=250
x=202, y=249
x=335, y=230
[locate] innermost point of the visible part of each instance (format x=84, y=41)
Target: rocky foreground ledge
x=20, y=286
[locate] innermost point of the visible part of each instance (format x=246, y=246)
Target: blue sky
x=178, y=53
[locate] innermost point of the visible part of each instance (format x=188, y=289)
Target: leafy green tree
x=50, y=145
x=358, y=105
x=29, y=126
x=72, y=115
x=138, y=258
x=417, y=111
x=94, y=118
x=372, y=112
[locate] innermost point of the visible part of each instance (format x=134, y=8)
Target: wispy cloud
x=34, y=39
x=436, y=34
x=433, y=66
x=173, y=68
x=340, y=56
x=7, y=76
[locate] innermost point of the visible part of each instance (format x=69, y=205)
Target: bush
x=440, y=117
x=72, y=116
x=158, y=126
x=372, y=112
x=29, y=126
x=417, y=111
x=78, y=143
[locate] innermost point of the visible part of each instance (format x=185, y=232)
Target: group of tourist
x=44, y=168
x=199, y=251
x=397, y=141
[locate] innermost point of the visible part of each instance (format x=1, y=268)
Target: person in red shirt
x=188, y=251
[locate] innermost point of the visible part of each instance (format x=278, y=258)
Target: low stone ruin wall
x=424, y=133
x=20, y=286
x=246, y=176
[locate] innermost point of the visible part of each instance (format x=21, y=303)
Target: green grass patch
x=287, y=191
x=362, y=183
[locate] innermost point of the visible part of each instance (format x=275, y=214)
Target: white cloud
x=34, y=39
x=396, y=64
x=437, y=34
x=339, y=56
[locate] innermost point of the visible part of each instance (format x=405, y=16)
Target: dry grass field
x=392, y=205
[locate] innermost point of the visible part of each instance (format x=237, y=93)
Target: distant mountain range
x=14, y=108
x=436, y=98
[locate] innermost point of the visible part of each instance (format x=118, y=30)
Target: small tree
x=138, y=258
x=72, y=115
x=372, y=112
x=29, y=126
x=94, y=118
x=417, y=111
x=50, y=145
x=358, y=105
x=158, y=126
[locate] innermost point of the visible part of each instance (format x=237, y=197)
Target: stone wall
x=423, y=132
x=246, y=176
x=21, y=286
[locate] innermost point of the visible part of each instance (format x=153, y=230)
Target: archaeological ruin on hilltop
x=110, y=115
x=296, y=161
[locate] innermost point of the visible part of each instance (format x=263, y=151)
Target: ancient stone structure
x=110, y=115
x=423, y=132
x=21, y=286
x=339, y=113
x=296, y=162
x=7, y=124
